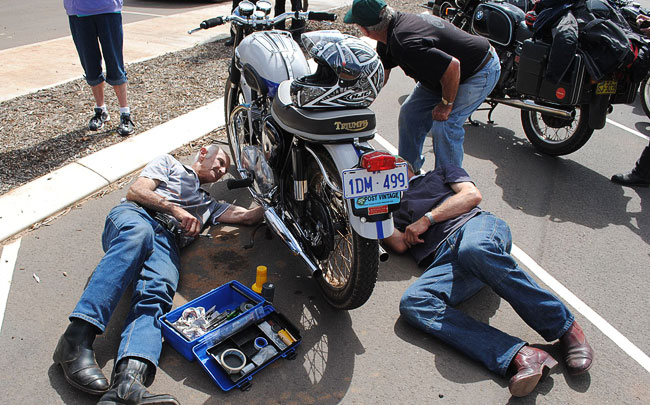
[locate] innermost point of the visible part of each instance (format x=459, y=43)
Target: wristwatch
x=445, y=102
x=429, y=216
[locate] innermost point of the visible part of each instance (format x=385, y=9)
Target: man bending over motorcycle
x=465, y=248
x=165, y=208
x=454, y=72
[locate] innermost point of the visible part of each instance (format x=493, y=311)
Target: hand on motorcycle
x=190, y=225
x=412, y=232
x=441, y=112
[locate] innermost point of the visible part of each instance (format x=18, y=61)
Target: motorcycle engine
x=262, y=159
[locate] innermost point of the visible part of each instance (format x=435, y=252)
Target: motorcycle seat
x=322, y=125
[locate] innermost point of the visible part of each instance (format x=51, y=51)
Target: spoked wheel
x=348, y=262
x=237, y=126
x=557, y=136
x=644, y=92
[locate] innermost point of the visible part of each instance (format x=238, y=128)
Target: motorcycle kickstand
x=493, y=107
x=268, y=235
x=490, y=110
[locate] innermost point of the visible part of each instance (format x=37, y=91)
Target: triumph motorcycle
x=325, y=191
x=557, y=118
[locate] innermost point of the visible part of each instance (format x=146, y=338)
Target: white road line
x=564, y=293
x=630, y=130
x=147, y=14
x=604, y=326
x=7, y=264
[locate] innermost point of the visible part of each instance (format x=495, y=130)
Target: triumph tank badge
x=351, y=126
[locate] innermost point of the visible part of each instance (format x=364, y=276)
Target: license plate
x=377, y=200
x=362, y=183
x=606, y=87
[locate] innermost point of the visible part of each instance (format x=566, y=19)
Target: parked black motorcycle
x=557, y=118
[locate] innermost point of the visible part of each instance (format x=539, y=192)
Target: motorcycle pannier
x=531, y=81
x=497, y=21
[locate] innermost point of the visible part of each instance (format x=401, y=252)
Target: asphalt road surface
x=589, y=235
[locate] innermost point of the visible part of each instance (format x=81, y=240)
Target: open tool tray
x=228, y=297
x=261, y=343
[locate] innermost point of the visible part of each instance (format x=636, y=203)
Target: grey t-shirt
x=180, y=185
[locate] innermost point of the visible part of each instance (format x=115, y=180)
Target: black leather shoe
x=631, y=179
x=128, y=386
x=75, y=355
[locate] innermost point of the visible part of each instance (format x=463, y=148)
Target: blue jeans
x=476, y=255
x=416, y=121
x=107, y=29
x=141, y=252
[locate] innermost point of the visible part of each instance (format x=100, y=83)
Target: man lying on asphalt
x=165, y=208
x=465, y=248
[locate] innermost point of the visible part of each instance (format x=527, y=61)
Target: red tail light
x=376, y=161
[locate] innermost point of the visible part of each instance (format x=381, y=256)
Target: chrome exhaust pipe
x=531, y=106
x=383, y=254
x=274, y=221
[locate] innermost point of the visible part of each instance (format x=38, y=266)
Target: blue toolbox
x=233, y=332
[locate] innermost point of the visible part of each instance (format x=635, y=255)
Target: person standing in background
x=297, y=26
x=94, y=23
x=640, y=175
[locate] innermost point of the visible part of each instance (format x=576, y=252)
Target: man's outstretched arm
x=240, y=215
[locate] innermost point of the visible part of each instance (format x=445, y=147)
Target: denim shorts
x=88, y=32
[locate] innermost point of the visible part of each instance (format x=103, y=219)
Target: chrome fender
x=346, y=156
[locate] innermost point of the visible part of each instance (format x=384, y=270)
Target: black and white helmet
x=349, y=72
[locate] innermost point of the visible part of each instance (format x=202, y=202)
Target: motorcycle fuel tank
x=274, y=55
x=497, y=21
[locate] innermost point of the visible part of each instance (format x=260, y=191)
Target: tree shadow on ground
x=554, y=187
x=23, y=165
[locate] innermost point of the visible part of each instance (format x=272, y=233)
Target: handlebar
x=265, y=21
x=321, y=16
x=212, y=22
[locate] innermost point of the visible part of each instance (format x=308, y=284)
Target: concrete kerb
x=47, y=195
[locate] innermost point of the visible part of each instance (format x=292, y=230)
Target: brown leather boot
x=531, y=366
x=578, y=355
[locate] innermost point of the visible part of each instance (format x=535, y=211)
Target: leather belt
x=161, y=218
x=487, y=58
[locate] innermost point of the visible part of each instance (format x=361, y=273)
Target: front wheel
x=557, y=136
x=644, y=92
x=348, y=262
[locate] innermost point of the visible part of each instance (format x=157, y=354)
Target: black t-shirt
x=424, y=193
x=423, y=44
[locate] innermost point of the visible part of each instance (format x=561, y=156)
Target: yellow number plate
x=606, y=87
